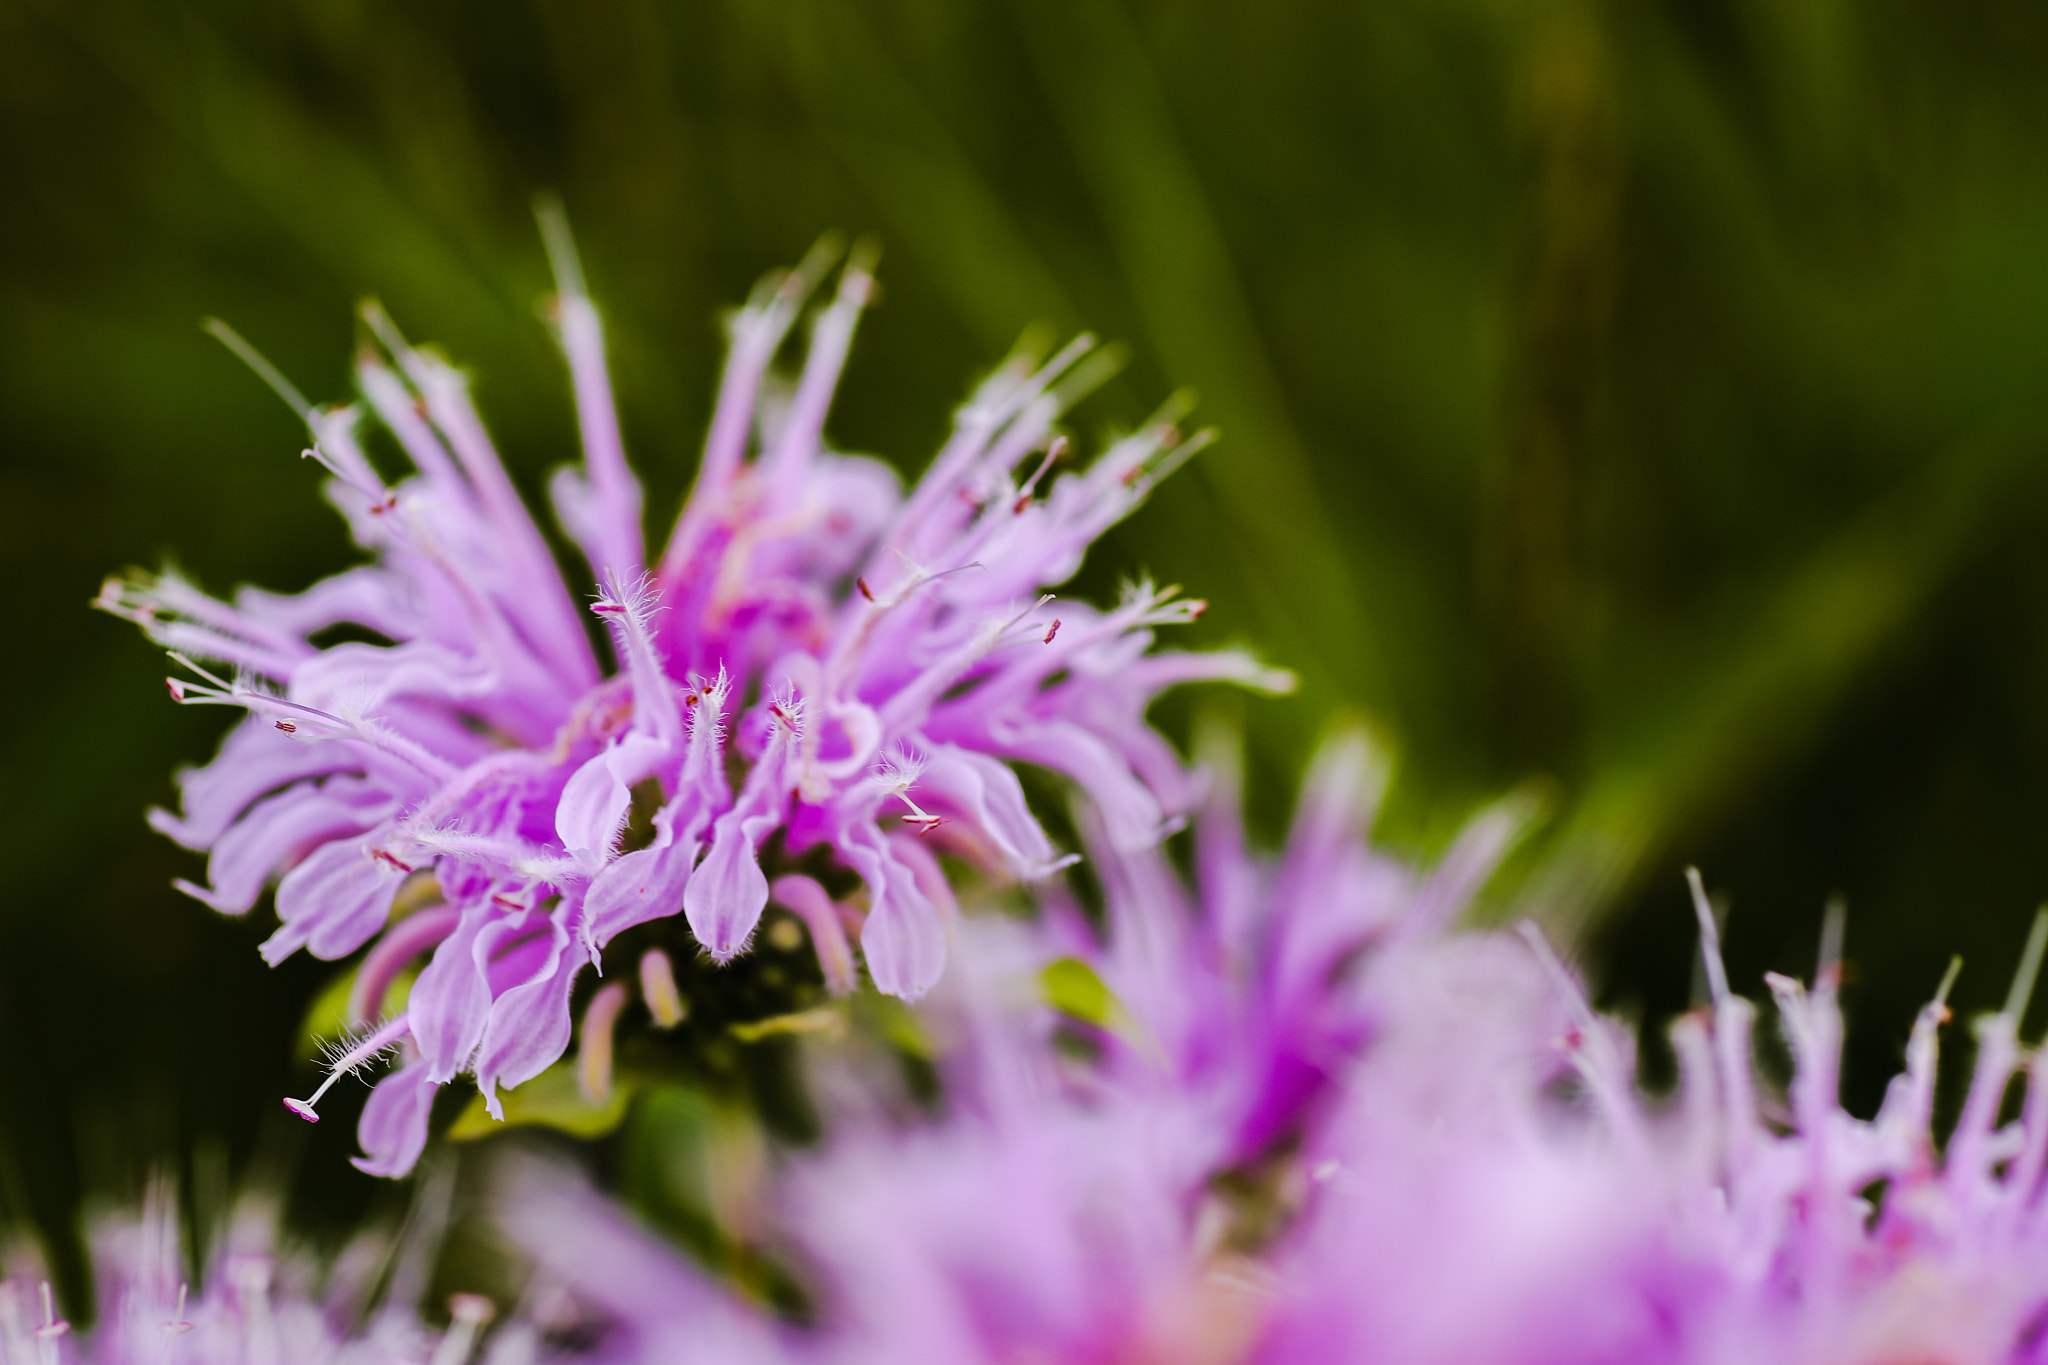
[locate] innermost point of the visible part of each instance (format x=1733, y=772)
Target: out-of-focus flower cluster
x=1302, y=1121
x=253, y=1303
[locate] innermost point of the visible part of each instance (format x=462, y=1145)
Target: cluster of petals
x=1098, y=1186
x=1324, y=1127
x=1477, y=1210
x=816, y=656
x=250, y=1305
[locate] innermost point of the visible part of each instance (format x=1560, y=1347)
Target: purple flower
x=1111, y=1165
x=1467, y=1208
x=813, y=654
x=1307, y=1123
x=252, y=1305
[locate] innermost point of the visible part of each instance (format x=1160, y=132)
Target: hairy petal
x=726, y=894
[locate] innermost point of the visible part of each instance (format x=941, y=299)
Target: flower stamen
x=467, y=1314
x=658, y=989
x=1054, y=453
x=350, y=1058
x=178, y=1325
x=594, y=1053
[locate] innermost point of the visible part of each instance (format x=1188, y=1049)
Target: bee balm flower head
x=815, y=657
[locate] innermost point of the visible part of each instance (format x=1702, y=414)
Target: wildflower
x=1108, y=1203
x=251, y=1303
x=806, y=627
x=1619, y=1229
x=1312, y=1124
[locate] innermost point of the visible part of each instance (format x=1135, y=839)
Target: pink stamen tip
x=1052, y=630
x=1195, y=610
x=53, y=1326
x=865, y=590
x=1023, y=501
x=287, y=727
x=178, y=1323
x=499, y=898
x=177, y=689
x=302, y=1109
x=385, y=856
x=607, y=608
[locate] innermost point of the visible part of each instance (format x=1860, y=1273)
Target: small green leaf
x=553, y=1099
x=1072, y=987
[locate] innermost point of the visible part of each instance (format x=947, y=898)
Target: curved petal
x=725, y=896
x=451, y=999
x=333, y=902
x=986, y=793
x=904, y=939
x=253, y=760
x=1130, y=812
x=828, y=937
x=529, y=1025
x=645, y=884
x=592, y=811
x=277, y=829
x=393, y=1131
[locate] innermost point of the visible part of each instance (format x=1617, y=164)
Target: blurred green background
x=1639, y=401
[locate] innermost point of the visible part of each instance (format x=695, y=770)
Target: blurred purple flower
x=1469, y=1211
x=1310, y=1125
x=1112, y=1161
x=251, y=1305
x=866, y=661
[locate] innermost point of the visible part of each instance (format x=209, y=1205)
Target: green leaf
x=1072, y=987
x=553, y=1099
